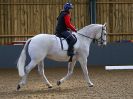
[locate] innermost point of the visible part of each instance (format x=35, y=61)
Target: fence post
x=92, y=11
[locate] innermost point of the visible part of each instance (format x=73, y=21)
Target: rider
x=63, y=26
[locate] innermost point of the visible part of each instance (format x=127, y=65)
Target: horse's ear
x=105, y=24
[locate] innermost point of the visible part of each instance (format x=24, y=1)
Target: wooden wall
x=30, y=17
x=119, y=16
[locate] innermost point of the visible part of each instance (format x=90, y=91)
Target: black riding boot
x=70, y=51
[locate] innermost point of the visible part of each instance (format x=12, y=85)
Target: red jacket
x=68, y=23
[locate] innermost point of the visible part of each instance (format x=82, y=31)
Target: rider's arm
x=68, y=23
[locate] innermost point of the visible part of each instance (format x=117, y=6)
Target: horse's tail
x=22, y=59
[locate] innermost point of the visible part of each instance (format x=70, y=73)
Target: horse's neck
x=87, y=32
x=83, y=41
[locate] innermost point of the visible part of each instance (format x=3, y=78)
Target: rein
x=85, y=36
x=94, y=38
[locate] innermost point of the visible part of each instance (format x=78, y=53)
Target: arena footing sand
x=107, y=85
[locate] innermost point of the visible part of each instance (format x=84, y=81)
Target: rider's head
x=68, y=6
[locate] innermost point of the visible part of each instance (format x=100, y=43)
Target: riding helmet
x=68, y=6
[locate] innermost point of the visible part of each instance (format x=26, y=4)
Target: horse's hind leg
x=41, y=72
x=28, y=68
x=70, y=72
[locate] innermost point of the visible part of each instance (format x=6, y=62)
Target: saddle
x=64, y=43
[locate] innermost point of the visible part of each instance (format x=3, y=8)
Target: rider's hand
x=76, y=30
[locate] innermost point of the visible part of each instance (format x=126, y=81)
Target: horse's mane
x=90, y=27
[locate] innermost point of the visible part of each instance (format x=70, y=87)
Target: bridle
x=99, y=40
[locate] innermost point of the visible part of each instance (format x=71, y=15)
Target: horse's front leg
x=83, y=62
x=70, y=72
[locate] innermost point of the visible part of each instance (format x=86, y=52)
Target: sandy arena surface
x=107, y=85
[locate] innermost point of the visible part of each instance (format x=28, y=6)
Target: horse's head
x=95, y=32
x=101, y=35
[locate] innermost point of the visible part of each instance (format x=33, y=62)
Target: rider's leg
x=70, y=40
x=71, y=44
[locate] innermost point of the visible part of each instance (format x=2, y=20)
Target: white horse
x=46, y=45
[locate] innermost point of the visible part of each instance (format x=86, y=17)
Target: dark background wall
x=112, y=54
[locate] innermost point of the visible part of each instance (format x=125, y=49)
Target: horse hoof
x=18, y=87
x=49, y=87
x=90, y=85
x=58, y=83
